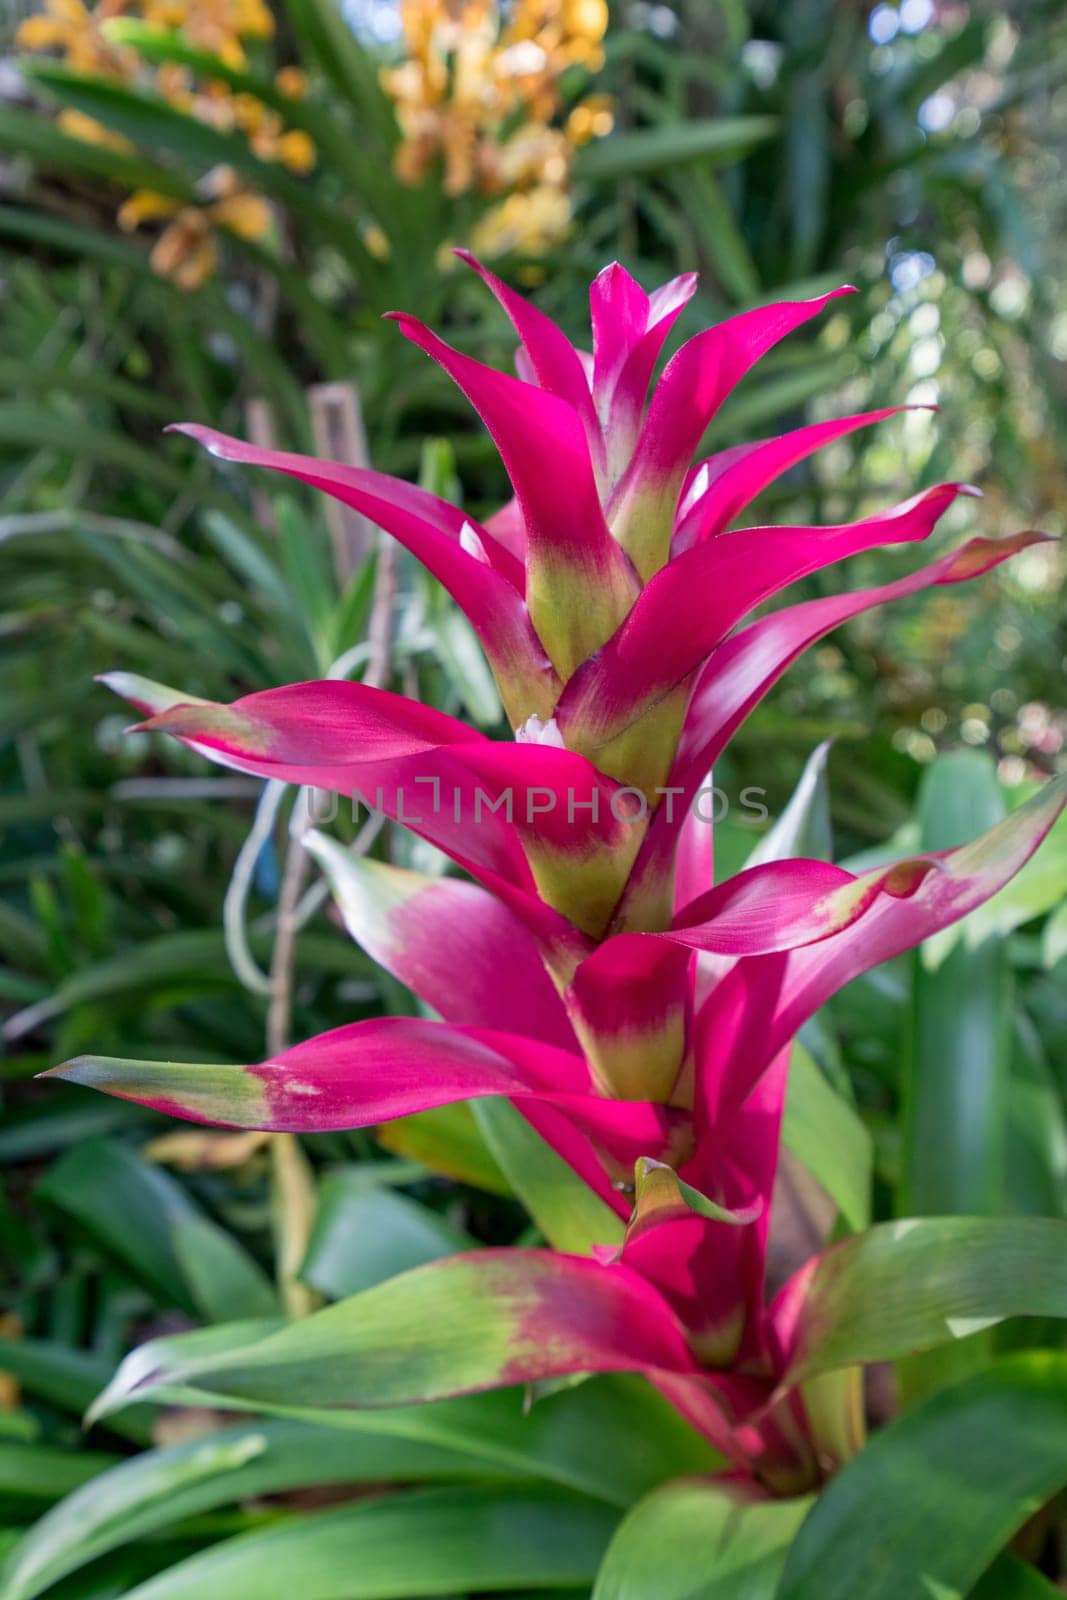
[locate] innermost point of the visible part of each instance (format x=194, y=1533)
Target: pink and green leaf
x=482, y=575
x=468, y=1323
x=694, y=384
x=902, y=1287
x=629, y=330
x=720, y=488
x=579, y=583
x=376, y=1070
x=692, y=604
x=762, y=1002
x=741, y=671
x=553, y=360
x=427, y=930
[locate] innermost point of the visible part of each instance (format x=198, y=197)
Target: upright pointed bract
x=638, y=1015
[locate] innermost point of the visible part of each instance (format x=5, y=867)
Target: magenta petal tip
x=215, y=443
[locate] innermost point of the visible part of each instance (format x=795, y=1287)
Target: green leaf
x=1011, y=1579
x=225, y=1282
x=447, y=1140
x=68, y=1379
x=697, y=1541
x=640, y=1439
x=716, y=140
x=30, y=134
x=70, y=237
x=1036, y=1182
x=470, y=1322
x=957, y=1092
x=326, y=36
x=803, y=828
x=912, y=1285
x=362, y=1236
x=565, y=1209
x=456, y=647
x=925, y=1508
x=960, y=1025
x=958, y=1060
x=434, y=1541
x=149, y=120
x=702, y=199
x=824, y=1132
x=160, y=1488
x=40, y=428
x=129, y=1207
x=145, y=1219
x=37, y=1472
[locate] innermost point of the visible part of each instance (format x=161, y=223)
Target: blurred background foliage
x=205, y=208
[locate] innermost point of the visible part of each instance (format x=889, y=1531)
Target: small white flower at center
x=534, y=731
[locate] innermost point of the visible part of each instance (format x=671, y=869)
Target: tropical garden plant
x=591, y=1021
x=627, y=1021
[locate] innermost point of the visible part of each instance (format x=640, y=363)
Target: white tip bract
x=534, y=731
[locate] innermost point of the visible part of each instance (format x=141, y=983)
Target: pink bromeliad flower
x=639, y=1016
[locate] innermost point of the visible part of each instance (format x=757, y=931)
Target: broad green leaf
x=36, y=1472
x=716, y=140
x=470, y=1322
x=161, y=1488
x=957, y=1089
x=449, y=1141
x=958, y=1060
x=225, y=1282
x=956, y=1095
x=145, y=1218
x=925, y=1508
x=699, y=1541
x=394, y=1547
x=824, y=1132
x=702, y=198
x=129, y=1207
x=565, y=1209
x=1036, y=1183
x=362, y=1236
x=907, y=1286
x=640, y=1439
